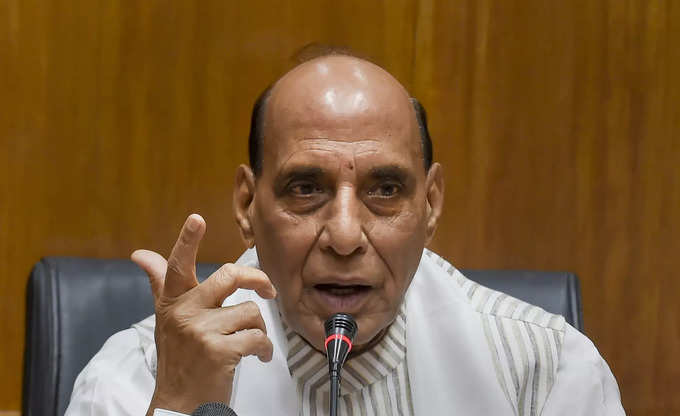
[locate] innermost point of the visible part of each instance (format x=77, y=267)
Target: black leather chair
x=74, y=304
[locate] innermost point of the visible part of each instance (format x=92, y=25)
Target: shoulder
x=491, y=303
x=117, y=379
x=122, y=351
x=543, y=364
x=584, y=383
x=524, y=341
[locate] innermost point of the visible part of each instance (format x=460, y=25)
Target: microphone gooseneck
x=340, y=332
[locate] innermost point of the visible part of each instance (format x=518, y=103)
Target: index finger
x=181, y=273
x=230, y=277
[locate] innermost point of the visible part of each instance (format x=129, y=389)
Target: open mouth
x=342, y=290
x=333, y=297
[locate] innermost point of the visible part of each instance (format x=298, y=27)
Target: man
x=338, y=203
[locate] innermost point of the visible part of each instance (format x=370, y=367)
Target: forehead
x=340, y=107
x=337, y=155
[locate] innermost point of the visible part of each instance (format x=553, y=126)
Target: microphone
x=340, y=332
x=213, y=409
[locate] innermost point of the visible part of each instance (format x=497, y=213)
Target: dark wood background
x=557, y=123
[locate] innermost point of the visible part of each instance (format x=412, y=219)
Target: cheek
x=282, y=242
x=399, y=241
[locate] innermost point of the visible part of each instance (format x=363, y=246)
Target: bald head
x=339, y=88
x=342, y=93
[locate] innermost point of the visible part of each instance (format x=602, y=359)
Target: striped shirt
x=525, y=342
x=373, y=383
x=471, y=351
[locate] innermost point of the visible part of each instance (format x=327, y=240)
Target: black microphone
x=340, y=332
x=214, y=409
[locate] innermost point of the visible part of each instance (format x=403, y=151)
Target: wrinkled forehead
x=339, y=98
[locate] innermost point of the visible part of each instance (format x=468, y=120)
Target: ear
x=243, y=200
x=434, y=188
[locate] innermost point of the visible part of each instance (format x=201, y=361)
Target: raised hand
x=198, y=342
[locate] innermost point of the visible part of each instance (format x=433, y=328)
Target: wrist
x=173, y=403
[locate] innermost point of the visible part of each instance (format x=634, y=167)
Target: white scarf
x=454, y=363
x=446, y=351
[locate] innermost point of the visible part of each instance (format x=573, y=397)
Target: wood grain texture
x=119, y=118
x=557, y=123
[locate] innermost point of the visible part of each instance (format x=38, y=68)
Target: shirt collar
x=307, y=365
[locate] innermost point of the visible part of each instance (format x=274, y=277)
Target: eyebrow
x=299, y=172
x=390, y=172
x=394, y=172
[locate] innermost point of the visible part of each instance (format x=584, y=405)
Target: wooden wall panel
x=557, y=123
x=119, y=118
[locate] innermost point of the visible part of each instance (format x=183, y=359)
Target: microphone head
x=213, y=409
x=340, y=332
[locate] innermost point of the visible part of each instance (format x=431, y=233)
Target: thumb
x=155, y=266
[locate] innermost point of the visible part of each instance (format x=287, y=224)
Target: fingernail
x=192, y=224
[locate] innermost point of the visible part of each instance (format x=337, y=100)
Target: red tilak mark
x=341, y=338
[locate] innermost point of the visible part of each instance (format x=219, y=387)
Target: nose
x=343, y=232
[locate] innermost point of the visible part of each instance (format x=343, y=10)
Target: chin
x=316, y=339
x=367, y=332
x=311, y=328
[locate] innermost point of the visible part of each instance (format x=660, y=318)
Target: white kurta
x=470, y=351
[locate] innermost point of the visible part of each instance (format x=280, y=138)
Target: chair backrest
x=74, y=304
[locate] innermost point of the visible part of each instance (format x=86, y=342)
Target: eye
x=304, y=188
x=386, y=190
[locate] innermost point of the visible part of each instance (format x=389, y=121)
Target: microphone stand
x=335, y=393
x=340, y=331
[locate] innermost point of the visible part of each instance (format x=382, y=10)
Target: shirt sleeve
x=584, y=385
x=163, y=412
x=117, y=381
